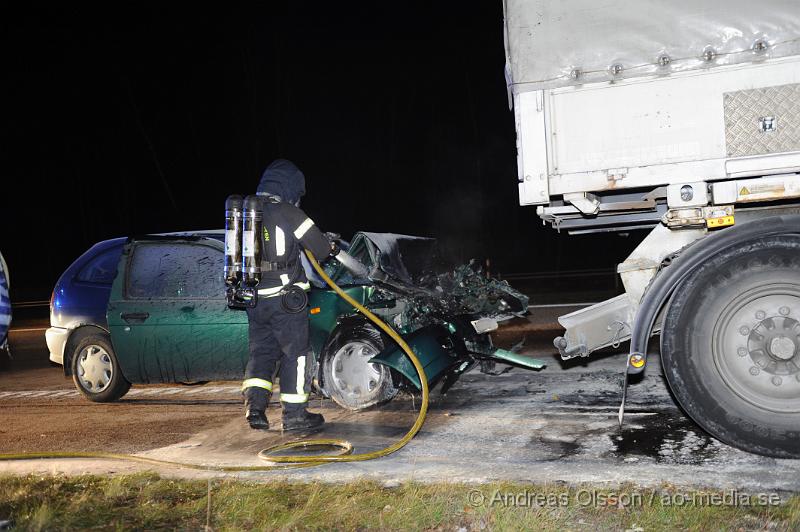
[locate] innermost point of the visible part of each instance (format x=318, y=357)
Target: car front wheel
x=349, y=378
x=96, y=371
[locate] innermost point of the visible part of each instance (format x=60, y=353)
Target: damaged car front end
x=445, y=318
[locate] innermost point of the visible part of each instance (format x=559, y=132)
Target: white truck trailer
x=681, y=118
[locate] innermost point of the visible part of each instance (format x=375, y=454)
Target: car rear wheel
x=348, y=376
x=96, y=371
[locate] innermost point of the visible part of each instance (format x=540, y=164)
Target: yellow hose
x=278, y=461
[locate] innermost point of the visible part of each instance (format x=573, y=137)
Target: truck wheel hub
x=782, y=348
x=772, y=345
x=756, y=346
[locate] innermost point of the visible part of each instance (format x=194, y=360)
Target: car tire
x=348, y=378
x=730, y=346
x=96, y=371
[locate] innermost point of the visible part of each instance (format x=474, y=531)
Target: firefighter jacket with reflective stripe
x=287, y=229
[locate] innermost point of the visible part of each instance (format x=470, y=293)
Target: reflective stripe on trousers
x=256, y=383
x=296, y=398
x=299, y=385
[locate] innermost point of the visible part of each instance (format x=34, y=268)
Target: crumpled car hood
x=401, y=257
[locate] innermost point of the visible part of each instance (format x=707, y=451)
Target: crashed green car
x=169, y=322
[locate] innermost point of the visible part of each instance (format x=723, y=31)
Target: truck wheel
x=96, y=371
x=730, y=346
x=350, y=380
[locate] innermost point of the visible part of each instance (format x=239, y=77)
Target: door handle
x=134, y=316
x=187, y=308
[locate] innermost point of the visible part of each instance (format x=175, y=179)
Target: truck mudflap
x=442, y=354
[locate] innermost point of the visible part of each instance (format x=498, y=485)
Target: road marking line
x=143, y=392
x=218, y=389
x=196, y=391
x=151, y=392
x=64, y=393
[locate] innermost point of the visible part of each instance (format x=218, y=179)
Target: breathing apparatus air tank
x=251, y=241
x=233, y=241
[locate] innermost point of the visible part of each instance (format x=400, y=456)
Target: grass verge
x=147, y=501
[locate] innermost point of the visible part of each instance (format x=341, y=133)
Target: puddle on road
x=666, y=438
x=547, y=449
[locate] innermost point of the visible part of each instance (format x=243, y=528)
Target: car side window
x=102, y=268
x=175, y=270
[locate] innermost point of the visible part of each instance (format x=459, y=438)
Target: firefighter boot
x=296, y=417
x=255, y=406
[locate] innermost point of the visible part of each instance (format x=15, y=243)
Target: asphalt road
x=555, y=425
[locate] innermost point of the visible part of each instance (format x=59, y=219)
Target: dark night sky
x=145, y=120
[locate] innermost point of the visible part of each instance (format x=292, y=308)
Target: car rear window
x=175, y=271
x=102, y=268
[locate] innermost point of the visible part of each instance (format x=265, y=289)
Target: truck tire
x=348, y=378
x=730, y=346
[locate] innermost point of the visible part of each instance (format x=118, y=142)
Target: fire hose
x=342, y=450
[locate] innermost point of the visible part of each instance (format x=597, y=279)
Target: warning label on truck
x=768, y=188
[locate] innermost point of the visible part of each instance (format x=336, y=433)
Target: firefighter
x=278, y=323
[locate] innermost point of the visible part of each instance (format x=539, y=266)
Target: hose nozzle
x=352, y=264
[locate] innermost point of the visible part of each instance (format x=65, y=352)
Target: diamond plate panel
x=745, y=112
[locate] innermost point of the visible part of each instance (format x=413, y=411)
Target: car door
x=168, y=317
